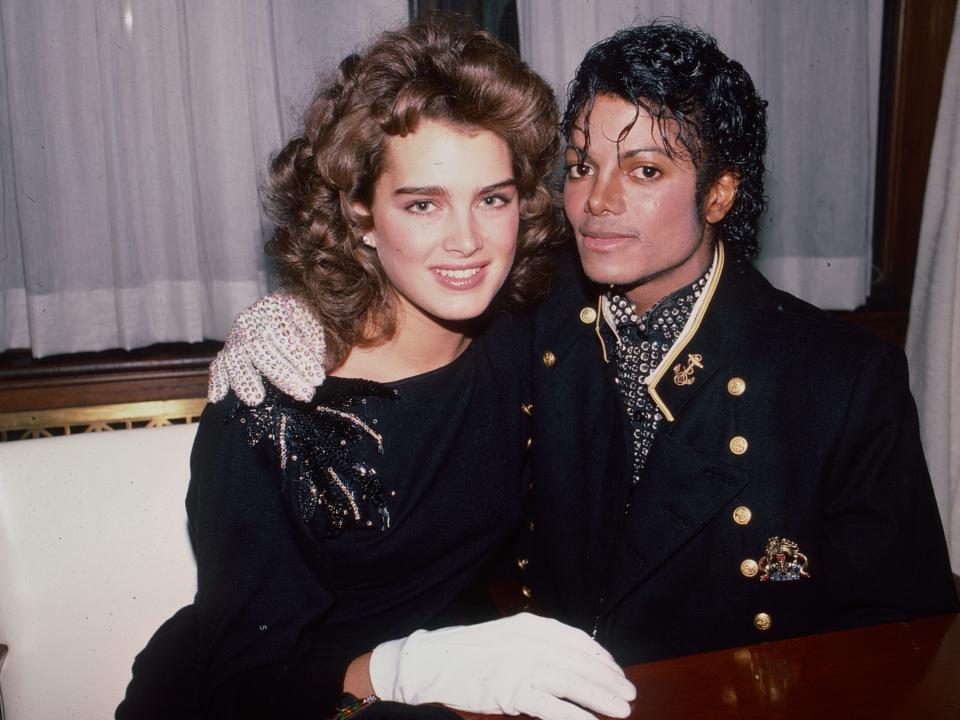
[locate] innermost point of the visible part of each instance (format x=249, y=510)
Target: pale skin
x=431, y=219
x=446, y=240
x=633, y=205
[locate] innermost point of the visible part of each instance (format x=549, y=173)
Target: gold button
x=742, y=515
x=738, y=445
x=749, y=568
x=522, y=563
x=527, y=592
x=736, y=386
x=762, y=622
x=529, y=442
x=549, y=359
x=527, y=409
x=588, y=315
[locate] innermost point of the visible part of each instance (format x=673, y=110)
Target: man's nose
x=606, y=196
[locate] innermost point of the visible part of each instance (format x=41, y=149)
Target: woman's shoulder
x=316, y=450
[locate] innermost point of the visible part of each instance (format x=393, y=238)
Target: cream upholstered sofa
x=94, y=555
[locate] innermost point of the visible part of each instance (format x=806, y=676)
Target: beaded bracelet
x=350, y=710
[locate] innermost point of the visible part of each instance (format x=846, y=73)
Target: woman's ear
x=720, y=197
x=362, y=213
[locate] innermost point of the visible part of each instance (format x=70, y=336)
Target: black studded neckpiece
x=643, y=343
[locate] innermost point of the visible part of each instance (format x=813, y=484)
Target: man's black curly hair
x=678, y=74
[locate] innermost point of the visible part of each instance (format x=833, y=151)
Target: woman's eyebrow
x=429, y=190
x=440, y=191
x=497, y=186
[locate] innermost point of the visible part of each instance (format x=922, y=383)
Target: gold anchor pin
x=684, y=375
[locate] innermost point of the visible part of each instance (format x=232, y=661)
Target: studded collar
x=697, y=313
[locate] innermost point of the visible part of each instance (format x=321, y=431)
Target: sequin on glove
x=278, y=338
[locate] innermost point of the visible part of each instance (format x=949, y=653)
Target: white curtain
x=133, y=135
x=933, y=336
x=817, y=62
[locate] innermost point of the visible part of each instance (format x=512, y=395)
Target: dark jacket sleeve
x=165, y=682
x=261, y=590
x=886, y=558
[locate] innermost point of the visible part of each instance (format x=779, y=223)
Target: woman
x=409, y=212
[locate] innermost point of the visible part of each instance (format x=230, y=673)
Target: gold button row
x=742, y=515
x=737, y=386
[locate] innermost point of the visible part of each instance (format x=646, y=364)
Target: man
x=714, y=462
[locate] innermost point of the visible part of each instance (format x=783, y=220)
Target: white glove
x=519, y=664
x=278, y=336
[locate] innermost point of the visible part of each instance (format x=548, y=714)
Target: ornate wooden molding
x=24, y=425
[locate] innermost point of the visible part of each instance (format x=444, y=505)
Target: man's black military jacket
x=786, y=491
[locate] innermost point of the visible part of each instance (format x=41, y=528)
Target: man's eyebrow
x=583, y=156
x=645, y=149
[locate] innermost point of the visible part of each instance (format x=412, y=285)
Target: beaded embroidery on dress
x=319, y=444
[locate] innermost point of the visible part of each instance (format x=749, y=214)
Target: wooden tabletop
x=903, y=670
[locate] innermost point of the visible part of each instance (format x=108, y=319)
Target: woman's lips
x=460, y=278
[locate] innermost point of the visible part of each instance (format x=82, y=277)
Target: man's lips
x=600, y=240
x=604, y=234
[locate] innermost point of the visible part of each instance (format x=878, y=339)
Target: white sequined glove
x=278, y=337
x=518, y=664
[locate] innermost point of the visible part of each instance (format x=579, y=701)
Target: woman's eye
x=493, y=201
x=421, y=206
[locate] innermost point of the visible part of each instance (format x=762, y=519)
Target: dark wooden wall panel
x=167, y=372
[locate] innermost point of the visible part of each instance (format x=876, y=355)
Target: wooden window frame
x=916, y=40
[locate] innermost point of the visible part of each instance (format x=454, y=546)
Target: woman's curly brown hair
x=433, y=70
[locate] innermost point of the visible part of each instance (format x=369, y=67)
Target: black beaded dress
x=322, y=529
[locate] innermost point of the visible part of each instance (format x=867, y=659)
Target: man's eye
x=578, y=170
x=647, y=172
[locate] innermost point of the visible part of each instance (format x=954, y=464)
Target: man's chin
x=607, y=272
